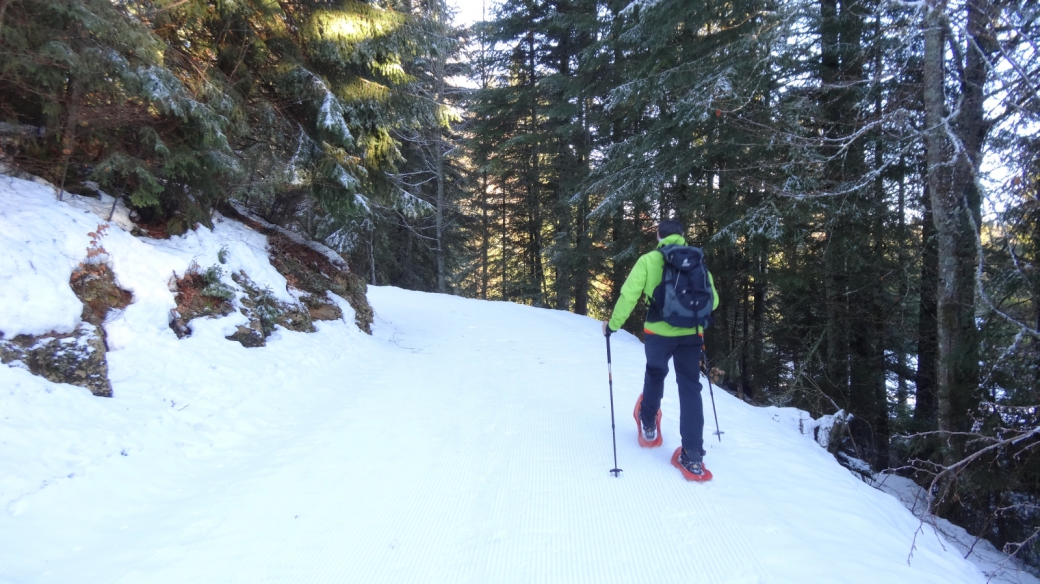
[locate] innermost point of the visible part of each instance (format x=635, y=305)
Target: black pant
x=686, y=352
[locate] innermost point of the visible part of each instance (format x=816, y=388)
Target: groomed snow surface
x=464, y=441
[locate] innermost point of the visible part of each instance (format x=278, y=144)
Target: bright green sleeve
x=631, y=293
x=714, y=292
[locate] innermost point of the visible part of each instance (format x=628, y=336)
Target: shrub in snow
x=199, y=294
x=265, y=312
x=214, y=287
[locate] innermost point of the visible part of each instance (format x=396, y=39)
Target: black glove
x=606, y=330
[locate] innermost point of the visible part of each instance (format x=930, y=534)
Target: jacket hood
x=673, y=239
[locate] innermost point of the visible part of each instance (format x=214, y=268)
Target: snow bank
x=55, y=433
x=42, y=243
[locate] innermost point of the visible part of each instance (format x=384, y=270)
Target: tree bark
x=438, y=157
x=927, y=325
x=955, y=207
x=485, y=235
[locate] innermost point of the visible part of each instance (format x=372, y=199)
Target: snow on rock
x=823, y=428
x=77, y=358
x=464, y=441
x=333, y=257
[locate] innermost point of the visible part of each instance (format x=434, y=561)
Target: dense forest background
x=863, y=175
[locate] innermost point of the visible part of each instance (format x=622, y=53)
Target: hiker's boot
x=649, y=434
x=692, y=468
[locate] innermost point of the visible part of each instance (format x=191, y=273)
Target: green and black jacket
x=645, y=277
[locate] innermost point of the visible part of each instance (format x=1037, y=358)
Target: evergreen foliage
x=288, y=107
x=846, y=227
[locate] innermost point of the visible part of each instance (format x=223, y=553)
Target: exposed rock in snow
x=76, y=358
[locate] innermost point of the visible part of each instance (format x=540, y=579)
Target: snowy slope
x=464, y=441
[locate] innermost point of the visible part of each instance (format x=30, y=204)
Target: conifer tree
x=96, y=87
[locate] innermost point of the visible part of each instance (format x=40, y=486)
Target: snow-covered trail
x=469, y=441
x=464, y=441
x=477, y=453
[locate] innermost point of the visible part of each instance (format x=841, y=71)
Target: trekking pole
x=711, y=392
x=613, y=437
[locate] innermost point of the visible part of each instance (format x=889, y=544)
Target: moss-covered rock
x=77, y=358
x=320, y=308
x=264, y=312
x=95, y=286
x=311, y=272
x=250, y=336
x=313, y=269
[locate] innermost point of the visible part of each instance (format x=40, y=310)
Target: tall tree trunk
x=955, y=204
x=372, y=254
x=505, y=245
x=745, y=305
x=902, y=389
x=945, y=213
x=971, y=129
x=438, y=158
x=758, y=291
x=927, y=325
x=836, y=378
x=73, y=106
x=534, y=181
x=485, y=235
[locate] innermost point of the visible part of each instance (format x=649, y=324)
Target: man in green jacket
x=663, y=342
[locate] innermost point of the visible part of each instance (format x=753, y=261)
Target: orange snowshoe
x=689, y=469
x=658, y=440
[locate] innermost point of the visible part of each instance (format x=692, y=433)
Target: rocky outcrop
x=95, y=286
x=312, y=270
x=264, y=312
x=76, y=358
x=202, y=293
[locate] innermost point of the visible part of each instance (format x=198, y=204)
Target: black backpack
x=684, y=297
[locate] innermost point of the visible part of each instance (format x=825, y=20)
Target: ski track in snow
x=464, y=442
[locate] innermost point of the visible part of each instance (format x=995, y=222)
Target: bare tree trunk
x=533, y=182
x=438, y=157
x=582, y=241
x=68, y=137
x=952, y=175
x=902, y=390
x=927, y=325
x=836, y=273
x=758, y=380
x=372, y=253
x=745, y=370
x=971, y=129
x=944, y=209
x=505, y=246
x=485, y=235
